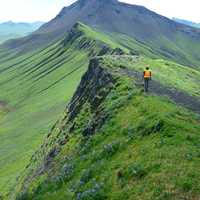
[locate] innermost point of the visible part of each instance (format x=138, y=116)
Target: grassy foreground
x=35, y=88
x=147, y=148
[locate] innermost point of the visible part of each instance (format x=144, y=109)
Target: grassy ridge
x=184, y=51
x=148, y=148
x=35, y=88
x=166, y=72
x=36, y=91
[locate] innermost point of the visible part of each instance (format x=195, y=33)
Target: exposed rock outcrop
x=94, y=87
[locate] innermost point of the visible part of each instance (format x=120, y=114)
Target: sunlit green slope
x=35, y=88
x=116, y=142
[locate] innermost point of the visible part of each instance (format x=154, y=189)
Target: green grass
x=168, y=73
x=35, y=99
x=179, y=49
x=36, y=88
x=147, y=149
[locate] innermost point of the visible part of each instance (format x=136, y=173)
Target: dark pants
x=146, y=84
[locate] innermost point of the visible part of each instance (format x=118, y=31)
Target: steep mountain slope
x=11, y=30
x=115, y=142
x=173, y=40
x=34, y=90
x=36, y=86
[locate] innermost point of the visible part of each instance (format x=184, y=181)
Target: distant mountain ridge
x=187, y=22
x=173, y=40
x=10, y=29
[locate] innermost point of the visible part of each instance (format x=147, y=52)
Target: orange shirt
x=147, y=74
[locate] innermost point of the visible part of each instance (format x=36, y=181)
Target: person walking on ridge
x=147, y=74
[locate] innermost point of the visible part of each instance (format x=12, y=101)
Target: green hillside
x=158, y=34
x=36, y=87
x=115, y=142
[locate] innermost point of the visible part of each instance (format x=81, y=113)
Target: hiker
x=147, y=76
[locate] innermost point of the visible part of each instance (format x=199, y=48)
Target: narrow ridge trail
x=177, y=96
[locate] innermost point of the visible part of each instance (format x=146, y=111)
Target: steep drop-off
x=115, y=142
x=34, y=90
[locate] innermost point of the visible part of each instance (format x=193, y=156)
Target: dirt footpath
x=179, y=97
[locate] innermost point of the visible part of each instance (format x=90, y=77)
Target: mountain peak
x=106, y=2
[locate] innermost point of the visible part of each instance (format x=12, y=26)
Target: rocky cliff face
x=112, y=139
x=85, y=114
x=93, y=88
